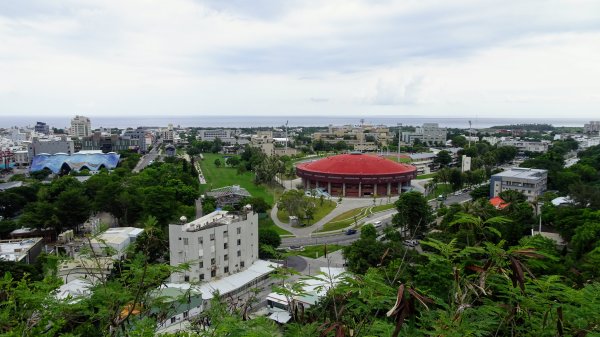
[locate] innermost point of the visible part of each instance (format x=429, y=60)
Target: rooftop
x=16, y=250
x=521, y=172
x=356, y=164
x=230, y=283
x=215, y=218
x=228, y=190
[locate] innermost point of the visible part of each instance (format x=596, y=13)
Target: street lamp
x=399, y=133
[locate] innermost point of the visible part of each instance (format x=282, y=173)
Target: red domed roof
x=356, y=164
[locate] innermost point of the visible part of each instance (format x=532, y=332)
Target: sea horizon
x=232, y=121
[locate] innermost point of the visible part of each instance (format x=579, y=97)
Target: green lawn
x=267, y=223
x=316, y=251
x=441, y=189
x=426, y=176
x=402, y=159
x=320, y=212
x=345, y=219
x=382, y=208
x=225, y=176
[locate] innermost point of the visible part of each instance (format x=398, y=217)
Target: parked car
x=411, y=243
x=350, y=231
x=377, y=224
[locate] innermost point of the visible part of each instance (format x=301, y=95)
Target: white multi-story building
x=81, y=126
x=531, y=182
x=216, y=245
x=526, y=146
x=429, y=133
x=591, y=127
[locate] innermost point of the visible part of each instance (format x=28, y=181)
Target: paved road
x=384, y=217
x=147, y=158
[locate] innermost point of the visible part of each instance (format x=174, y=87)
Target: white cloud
x=389, y=57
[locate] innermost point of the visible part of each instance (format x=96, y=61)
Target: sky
x=534, y=59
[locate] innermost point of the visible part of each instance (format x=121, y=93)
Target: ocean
x=275, y=121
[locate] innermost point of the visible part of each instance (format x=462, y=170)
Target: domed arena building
x=356, y=175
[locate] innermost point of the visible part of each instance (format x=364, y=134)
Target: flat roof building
x=216, y=245
x=20, y=250
x=531, y=182
x=114, y=241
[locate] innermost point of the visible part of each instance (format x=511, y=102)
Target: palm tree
x=479, y=226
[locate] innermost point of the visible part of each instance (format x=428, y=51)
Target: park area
x=352, y=216
x=226, y=176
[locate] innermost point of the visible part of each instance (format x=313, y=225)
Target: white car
x=377, y=224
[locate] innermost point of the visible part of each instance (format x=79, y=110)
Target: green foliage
x=414, y=212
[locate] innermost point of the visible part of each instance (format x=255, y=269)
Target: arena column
x=329, y=187
x=344, y=189
x=360, y=189
x=389, y=188
x=375, y=189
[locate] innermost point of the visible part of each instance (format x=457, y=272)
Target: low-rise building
x=20, y=250
x=114, y=241
x=109, y=143
x=50, y=146
x=429, y=133
x=531, y=182
x=526, y=146
x=228, y=195
x=422, y=161
x=216, y=245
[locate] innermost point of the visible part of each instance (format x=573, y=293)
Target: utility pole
x=286, y=136
x=399, y=134
x=470, y=133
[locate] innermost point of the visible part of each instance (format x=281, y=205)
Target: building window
x=226, y=270
x=201, y=277
x=239, y=242
x=239, y=230
x=172, y=320
x=225, y=245
x=213, y=273
x=200, y=241
x=242, y=264
x=239, y=253
x=201, y=264
x=225, y=257
x=225, y=234
x=185, y=314
x=186, y=278
x=212, y=237
x=213, y=261
x=185, y=241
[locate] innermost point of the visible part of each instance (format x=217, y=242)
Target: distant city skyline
x=339, y=58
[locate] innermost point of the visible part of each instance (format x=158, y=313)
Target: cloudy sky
x=336, y=57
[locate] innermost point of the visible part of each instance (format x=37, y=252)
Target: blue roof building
x=77, y=161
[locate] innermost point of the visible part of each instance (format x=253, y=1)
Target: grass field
x=225, y=176
x=347, y=218
x=426, y=176
x=441, y=189
x=402, y=160
x=316, y=251
x=320, y=212
x=382, y=207
x=267, y=223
